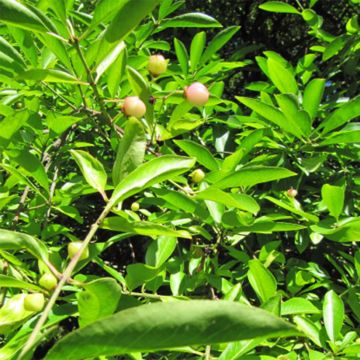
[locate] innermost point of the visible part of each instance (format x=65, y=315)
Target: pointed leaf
x=312, y=96
x=150, y=173
x=278, y=7
x=92, y=169
x=131, y=150
x=333, y=314
x=168, y=325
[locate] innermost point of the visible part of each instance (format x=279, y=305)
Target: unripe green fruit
x=197, y=94
x=197, y=176
x=134, y=106
x=157, y=65
x=74, y=247
x=34, y=302
x=292, y=192
x=135, y=206
x=48, y=281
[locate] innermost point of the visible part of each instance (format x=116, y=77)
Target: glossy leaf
x=123, y=23
x=12, y=240
x=278, y=7
x=14, y=13
x=282, y=77
x=49, y=75
x=196, y=49
x=11, y=282
x=218, y=42
x=153, y=172
x=145, y=228
x=312, y=96
x=160, y=250
x=99, y=299
x=91, y=168
x=131, y=150
x=182, y=55
x=251, y=176
x=333, y=314
x=148, y=327
x=333, y=198
x=192, y=20
x=202, y=155
x=261, y=280
x=342, y=115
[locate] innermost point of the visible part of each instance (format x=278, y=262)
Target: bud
x=157, y=65
x=73, y=249
x=34, y=302
x=135, y=206
x=197, y=94
x=197, y=176
x=292, y=192
x=133, y=106
x=48, y=281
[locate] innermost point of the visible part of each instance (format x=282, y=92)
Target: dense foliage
x=148, y=212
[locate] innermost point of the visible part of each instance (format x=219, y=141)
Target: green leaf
x=145, y=228
x=12, y=240
x=123, y=23
x=333, y=197
x=58, y=123
x=131, y=150
x=10, y=58
x=192, y=20
x=346, y=230
x=299, y=119
x=169, y=325
x=99, y=299
x=218, y=42
x=334, y=47
x=31, y=165
x=312, y=96
x=110, y=59
x=49, y=75
x=11, y=282
x=139, y=274
x=13, y=313
x=202, y=155
x=298, y=305
x=333, y=315
x=282, y=77
x=139, y=85
x=153, y=172
x=10, y=125
x=104, y=11
x=342, y=115
x=196, y=49
x=160, y=250
x=116, y=72
x=292, y=209
x=278, y=7
x=271, y=114
x=251, y=176
x=14, y=13
x=92, y=170
x=348, y=135
x=182, y=55
x=261, y=280
x=239, y=201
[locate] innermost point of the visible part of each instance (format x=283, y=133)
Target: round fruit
x=135, y=206
x=34, y=302
x=157, y=65
x=197, y=176
x=133, y=106
x=73, y=249
x=48, y=281
x=197, y=94
x=292, y=192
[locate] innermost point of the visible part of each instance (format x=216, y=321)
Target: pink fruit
x=157, y=65
x=292, y=192
x=197, y=94
x=133, y=106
